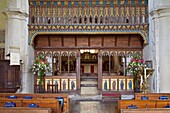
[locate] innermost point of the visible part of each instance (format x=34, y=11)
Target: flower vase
x=40, y=83
x=41, y=76
x=136, y=83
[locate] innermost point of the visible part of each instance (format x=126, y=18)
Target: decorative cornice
x=161, y=11
x=141, y=29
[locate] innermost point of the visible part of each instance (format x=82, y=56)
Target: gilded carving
x=103, y=19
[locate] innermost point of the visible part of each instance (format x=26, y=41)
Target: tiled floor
x=92, y=106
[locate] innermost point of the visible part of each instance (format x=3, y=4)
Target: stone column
x=16, y=39
x=159, y=34
x=164, y=41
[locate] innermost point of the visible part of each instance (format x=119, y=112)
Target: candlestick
x=145, y=74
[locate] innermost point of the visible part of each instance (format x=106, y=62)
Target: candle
x=145, y=74
x=141, y=80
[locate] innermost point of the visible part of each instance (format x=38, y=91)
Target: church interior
x=84, y=56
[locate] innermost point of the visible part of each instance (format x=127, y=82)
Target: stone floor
x=92, y=104
x=90, y=101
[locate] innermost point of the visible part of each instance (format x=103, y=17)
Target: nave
x=93, y=106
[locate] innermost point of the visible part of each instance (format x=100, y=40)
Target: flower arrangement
x=135, y=64
x=40, y=66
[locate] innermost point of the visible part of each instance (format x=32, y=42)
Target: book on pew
x=132, y=107
x=9, y=104
x=144, y=98
x=32, y=105
x=27, y=97
x=12, y=97
x=163, y=98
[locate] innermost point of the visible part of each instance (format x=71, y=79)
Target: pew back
x=24, y=110
x=123, y=104
x=162, y=103
x=151, y=96
x=44, y=103
x=66, y=107
x=18, y=102
x=149, y=110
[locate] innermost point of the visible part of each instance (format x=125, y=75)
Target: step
x=89, y=85
x=89, y=91
x=89, y=82
x=88, y=79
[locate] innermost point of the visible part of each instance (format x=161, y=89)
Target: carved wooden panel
x=69, y=41
x=136, y=41
x=95, y=41
x=109, y=41
x=82, y=41
x=42, y=41
x=55, y=41
x=10, y=77
x=122, y=40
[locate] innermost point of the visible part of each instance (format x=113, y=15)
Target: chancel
x=75, y=51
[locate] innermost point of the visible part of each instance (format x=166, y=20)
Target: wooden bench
x=24, y=110
x=66, y=106
x=18, y=102
x=123, y=104
x=162, y=103
x=151, y=96
x=44, y=103
x=149, y=110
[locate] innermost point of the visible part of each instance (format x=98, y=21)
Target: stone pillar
x=16, y=39
x=164, y=41
x=159, y=37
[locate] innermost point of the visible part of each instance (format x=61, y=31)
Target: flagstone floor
x=93, y=106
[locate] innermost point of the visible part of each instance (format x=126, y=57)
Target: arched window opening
x=90, y=19
x=96, y=19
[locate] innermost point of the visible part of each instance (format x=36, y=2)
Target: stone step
x=89, y=79
x=89, y=82
x=89, y=91
x=89, y=85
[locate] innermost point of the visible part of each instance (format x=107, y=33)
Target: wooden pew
x=149, y=110
x=24, y=110
x=162, y=103
x=44, y=103
x=18, y=102
x=66, y=107
x=151, y=96
x=123, y=104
